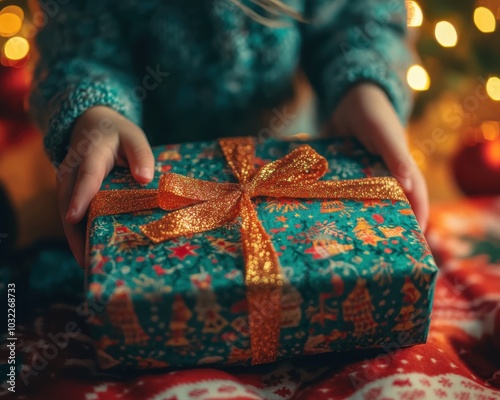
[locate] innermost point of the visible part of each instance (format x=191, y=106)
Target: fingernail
x=407, y=184
x=145, y=172
x=71, y=213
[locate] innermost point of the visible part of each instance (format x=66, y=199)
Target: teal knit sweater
x=194, y=69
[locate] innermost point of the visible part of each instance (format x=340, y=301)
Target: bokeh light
x=16, y=48
x=492, y=153
x=13, y=10
x=493, y=88
x=418, y=78
x=415, y=15
x=446, y=34
x=484, y=20
x=490, y=130
x=10, y=24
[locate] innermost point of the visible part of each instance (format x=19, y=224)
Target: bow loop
x=300, y=167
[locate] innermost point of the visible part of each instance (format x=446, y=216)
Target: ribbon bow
x=204, y=205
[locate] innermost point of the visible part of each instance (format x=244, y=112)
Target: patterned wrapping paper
x=358, y=274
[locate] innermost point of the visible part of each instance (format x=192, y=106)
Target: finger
x=389, y=140
x=75, y=234
x=91, y=173
x=419, y=199
x=139, y=156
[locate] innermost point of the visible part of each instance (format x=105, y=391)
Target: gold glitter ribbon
x=200, y=206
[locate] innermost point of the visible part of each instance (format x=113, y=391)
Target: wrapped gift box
x=356, y=273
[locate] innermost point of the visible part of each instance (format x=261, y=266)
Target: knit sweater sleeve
x=84, y=62
x=348, y=42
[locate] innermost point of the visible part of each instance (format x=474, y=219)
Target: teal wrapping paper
x=358, y=274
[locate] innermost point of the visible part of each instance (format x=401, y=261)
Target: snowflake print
x=440, y=393
x=445, y=382
x=284, y=205
x=425, y=382
x=344, y=169
x=472, y=385
x=273, y=380
x=101, y=226
x=283, y=392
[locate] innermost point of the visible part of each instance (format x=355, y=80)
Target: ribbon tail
x=110, y=202
x=198, y=218
x=263, y=281
x=373, y=188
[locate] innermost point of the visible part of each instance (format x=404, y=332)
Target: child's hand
x=366, y=112
x=114, y=140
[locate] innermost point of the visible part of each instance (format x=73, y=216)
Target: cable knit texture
x=192, y=69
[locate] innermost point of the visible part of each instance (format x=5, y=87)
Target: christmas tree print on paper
x=125, y=238
x=406, y=316
x=364, y=232
x=179, y=323
x=121, y=313
x=358, y=308
x=207, y=308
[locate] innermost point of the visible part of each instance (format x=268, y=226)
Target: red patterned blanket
x=460, y=361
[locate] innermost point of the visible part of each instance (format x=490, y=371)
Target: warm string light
x=418, y=78
x=493, y=88
x=16, y=48
x=484, y=20
x=415, y=15
x=446, y=34
x=11, y=20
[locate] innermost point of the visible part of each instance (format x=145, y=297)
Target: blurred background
x=454, y=131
